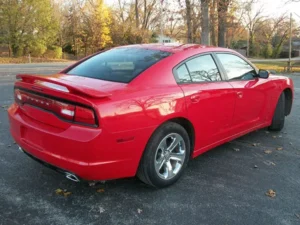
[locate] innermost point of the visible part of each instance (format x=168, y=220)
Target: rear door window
x=119, y=65
x=203, y=69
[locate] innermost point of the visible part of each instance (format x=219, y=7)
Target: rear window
x=119, y=65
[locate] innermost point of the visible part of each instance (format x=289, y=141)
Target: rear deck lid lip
x=61, y=84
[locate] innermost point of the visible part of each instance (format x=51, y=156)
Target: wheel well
x=288, y=101
x=188, y=126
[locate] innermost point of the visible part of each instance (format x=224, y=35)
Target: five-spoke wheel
x=170, y=155
x=165, y=156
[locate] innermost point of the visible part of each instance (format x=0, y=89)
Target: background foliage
x=76, y=28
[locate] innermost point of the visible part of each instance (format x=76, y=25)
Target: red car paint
x=127, y=114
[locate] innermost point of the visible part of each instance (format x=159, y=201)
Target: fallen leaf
x=101, y=209
x=139, y=211
x=236, y=149
x=274, y=136
x=255, y=144
x=59, y=191
x=279, y=148
x=101, y=190
x=64, y=193
x=255, y=166
x=291, y=143
x=298, y=215
x=271, y=193
x=268, y=151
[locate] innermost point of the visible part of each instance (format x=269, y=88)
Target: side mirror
x=263, y=74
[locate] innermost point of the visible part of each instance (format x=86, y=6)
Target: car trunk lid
x=59, y=100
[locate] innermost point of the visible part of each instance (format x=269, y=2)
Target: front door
x=210, y=101
x=251, y=92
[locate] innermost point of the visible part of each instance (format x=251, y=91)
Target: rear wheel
x=279, y=114
x=166, y=155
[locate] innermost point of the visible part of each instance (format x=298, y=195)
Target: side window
x=236, y=68
x=203, y=69
x=183, y=75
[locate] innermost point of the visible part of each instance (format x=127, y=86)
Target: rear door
x=251, y=91
x=210, y=100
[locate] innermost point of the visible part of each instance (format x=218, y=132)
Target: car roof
x=177, y=47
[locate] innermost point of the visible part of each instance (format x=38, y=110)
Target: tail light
x=84, y=115
x=65, y=111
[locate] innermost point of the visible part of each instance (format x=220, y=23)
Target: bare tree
x=214, y=22
x=253, y=22
x=188, y=21
x=137, y=22
x=173, y=26
x=205, y=22
x=149, y=8
x=222, y=19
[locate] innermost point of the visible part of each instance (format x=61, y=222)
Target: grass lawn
x=7, y=60
x=276, y=66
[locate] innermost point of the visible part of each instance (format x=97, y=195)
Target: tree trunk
x=214, y=23
x=15, y=50
x=9, y=50
x=205, y=25
x=137, y=22
x=222, y=20
x=85, y=46
x=251, y=43
x=188, y=21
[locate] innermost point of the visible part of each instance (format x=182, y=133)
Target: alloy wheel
x=170, y=155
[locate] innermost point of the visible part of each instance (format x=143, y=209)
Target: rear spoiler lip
x=82, y=90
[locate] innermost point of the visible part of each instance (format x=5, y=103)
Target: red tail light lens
x=84, y=115
x=63, y=110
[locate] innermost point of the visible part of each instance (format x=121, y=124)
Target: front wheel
x=279, y=114
x=165, y=157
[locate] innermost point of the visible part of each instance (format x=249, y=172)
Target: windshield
x=119, y=65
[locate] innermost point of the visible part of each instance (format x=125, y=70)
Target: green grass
x=276, y=66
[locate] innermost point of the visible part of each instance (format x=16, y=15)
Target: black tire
x=279, y=114
x=147, y=171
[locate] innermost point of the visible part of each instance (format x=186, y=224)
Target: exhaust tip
x=72, y=177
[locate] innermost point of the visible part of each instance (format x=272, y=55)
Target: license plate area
x=32, y=138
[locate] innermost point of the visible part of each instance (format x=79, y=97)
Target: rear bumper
x=89, y=153
x=68, y=174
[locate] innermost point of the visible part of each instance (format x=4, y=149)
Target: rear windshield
x=119, y=65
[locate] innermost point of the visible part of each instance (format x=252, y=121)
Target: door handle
x=195, y=98
x=239, y=94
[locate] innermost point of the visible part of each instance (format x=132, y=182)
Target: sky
x=275, y=8
x=272, y=8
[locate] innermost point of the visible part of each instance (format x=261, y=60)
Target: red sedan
x=144, y=110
